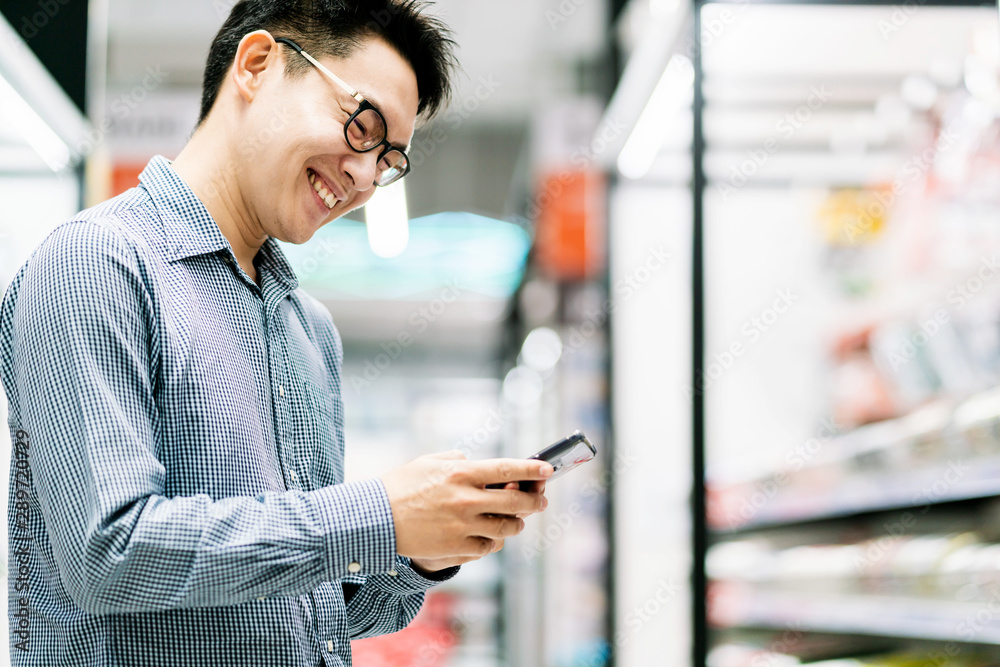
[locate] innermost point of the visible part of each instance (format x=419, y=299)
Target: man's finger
x=478, y=546
x=499, y=527
x=501, y=471
x=533, y=486
x=512, y=503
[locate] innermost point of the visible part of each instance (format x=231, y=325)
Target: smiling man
x=177, y=491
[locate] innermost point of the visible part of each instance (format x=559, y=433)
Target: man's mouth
x=320, y=186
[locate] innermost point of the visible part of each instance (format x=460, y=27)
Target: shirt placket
x=276, y=340
x=278, y=381
x=267, y=295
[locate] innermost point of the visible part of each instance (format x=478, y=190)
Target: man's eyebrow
x=373, y=101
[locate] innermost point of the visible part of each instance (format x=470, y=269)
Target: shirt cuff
x=402, y=579
x=358, y=520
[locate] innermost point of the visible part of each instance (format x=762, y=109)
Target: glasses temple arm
x=333, y=77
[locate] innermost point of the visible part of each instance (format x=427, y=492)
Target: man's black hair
x=336, y=28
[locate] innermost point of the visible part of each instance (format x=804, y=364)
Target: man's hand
x=444, y=515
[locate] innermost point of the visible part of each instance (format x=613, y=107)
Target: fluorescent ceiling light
x=671, y=93
x=660, y=39
x=15, y=111
x=34, y=106
x=388, y=221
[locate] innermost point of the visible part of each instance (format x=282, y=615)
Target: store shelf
x=968, y=622
x=955, y=480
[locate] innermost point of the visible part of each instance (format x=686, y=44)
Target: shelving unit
x=860, y=477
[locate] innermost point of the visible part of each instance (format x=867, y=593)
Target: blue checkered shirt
x=177, y=492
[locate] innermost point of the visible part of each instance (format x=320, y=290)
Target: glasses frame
x=363, y=105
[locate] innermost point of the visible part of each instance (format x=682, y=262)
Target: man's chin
x=300, y=235
x=297, y=237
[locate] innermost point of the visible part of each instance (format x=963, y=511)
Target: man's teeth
x=323, y=193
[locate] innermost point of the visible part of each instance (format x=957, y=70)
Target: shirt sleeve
x=82, y=342
x=386, y=603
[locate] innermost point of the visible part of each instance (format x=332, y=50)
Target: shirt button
x=329, y=645
x=281, y=390
x=262, y=598
x=354, y=568
x=393, y=573
x=294, y=476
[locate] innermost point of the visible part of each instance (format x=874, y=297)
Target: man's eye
x=358, y=135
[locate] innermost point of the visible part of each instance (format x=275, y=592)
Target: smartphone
x=572, y=451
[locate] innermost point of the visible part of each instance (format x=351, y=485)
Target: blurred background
x=752, y=249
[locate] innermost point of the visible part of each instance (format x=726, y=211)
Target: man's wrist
x=429, y=570
x=420, y=569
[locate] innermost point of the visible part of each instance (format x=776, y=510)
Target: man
x=177, y=492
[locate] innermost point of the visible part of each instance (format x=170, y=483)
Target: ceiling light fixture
x=35, y=107
x=671, y=93
x=17, y=113
x=387, y=220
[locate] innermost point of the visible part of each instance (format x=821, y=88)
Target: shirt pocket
x=324, y=442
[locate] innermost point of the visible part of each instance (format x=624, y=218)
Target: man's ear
x=256, y=55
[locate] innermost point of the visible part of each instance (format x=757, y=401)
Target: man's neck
x=205, y=165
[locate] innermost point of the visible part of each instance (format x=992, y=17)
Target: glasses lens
x=391, y=168
x=366, y=131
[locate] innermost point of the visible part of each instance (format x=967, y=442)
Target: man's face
x=296, y=139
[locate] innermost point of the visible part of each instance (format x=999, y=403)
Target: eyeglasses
x=366, y=129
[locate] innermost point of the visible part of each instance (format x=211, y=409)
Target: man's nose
x=361, y=167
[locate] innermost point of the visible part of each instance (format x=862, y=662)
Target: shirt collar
x=190, y=229
x=272, y=258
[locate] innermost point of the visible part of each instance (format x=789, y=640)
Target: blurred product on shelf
x=962, y=567
x=943, y=451
x=851, y=219
x=897, y=365
x=860, y=392
x=749, y=655
x=914, y=255
x=908, y=660
x=945, y=587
